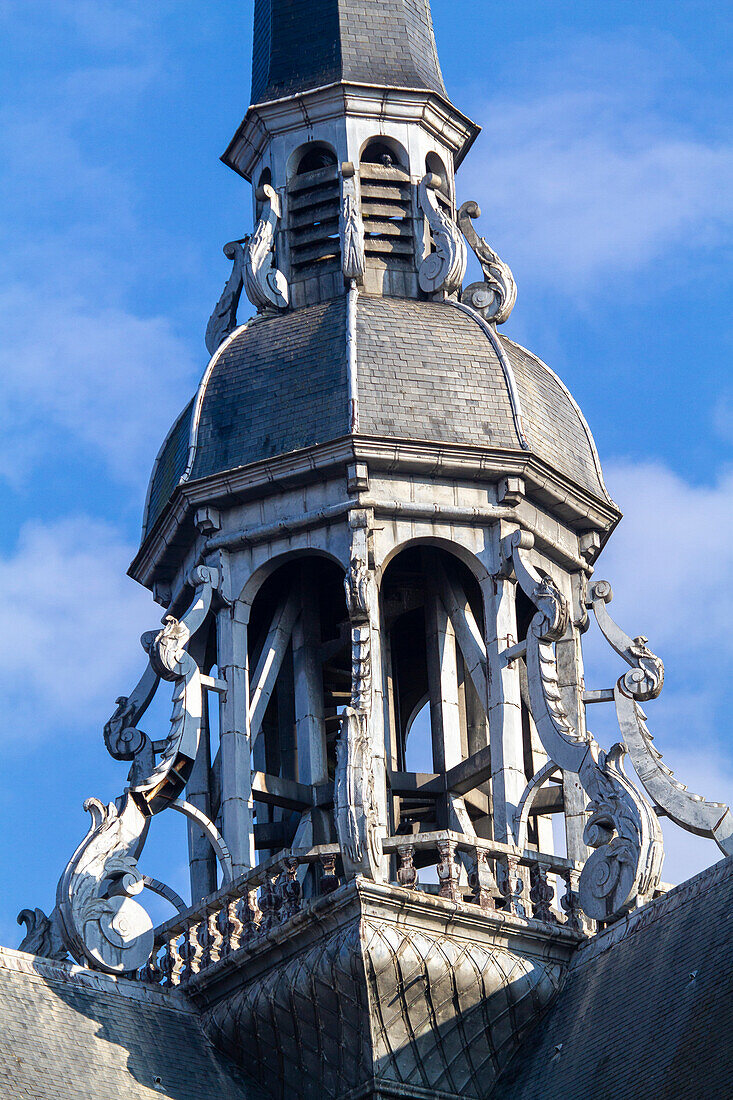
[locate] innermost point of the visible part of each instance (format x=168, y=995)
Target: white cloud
x=585, y=184
x=671, y=566
x=100, y=381
x=69, y=629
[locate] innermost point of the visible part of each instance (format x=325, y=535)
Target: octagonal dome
x=424, y=371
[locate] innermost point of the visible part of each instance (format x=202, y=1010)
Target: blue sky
x=604, y=172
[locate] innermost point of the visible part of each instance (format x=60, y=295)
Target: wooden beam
x=470, y=773
x=280, y=792
x=416, y=783
x=270, y=662
x=274, y=835
x=468, y=634
x=548, y=800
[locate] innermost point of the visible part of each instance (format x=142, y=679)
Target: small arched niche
x=435, y=166
x=437, y=712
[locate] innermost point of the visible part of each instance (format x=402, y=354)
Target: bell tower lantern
x=374, y=532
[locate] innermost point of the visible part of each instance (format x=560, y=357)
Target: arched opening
x=313, y=211
x=386, y=204
x=437, y=696
x=300, y=680
x=264, y=180
x=435, y=166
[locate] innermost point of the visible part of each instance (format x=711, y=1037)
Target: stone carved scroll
x=644, y=682
x=42, y=935
x=625, y=868
x=496, y=296
x=442, y=271
x=101, y=923
x=265, y=285
x=223, y=320
x=351, y=228
x=357, y=819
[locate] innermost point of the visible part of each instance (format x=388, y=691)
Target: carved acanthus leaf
x=352, y=227
x=626, y=866
x=101, y=924
x=223, y=320
x=496, y=297
x=266, y=286
x=42, y=935
x=123, y=740
x=444, y=270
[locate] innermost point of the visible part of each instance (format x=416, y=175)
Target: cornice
x=305, y=109
x=546, y=488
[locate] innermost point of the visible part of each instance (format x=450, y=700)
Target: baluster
x=482, y=882
x=329, y=879
x=512, y=887
x=448, y=871
x=541, y=893
x=250, y=917
x=570, y=903
x=270, y=904
x=151, y=973
x=230, y=928
x=291, y=891
x=211, y=937
x=407, y=872
x=172, y=962
x=192, y=950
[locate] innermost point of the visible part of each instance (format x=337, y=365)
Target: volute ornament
x=100, y=921
x=265, y=285
x=444, y=270
x=625, y=868
x=223, y=320
x=644, y=682
x=496, y=296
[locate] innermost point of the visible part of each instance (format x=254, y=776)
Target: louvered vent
x=386, y=205
x=313, y=205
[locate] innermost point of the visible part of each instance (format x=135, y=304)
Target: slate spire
x=304, y=44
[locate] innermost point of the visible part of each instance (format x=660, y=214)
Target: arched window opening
x=435, y=166
x=313, y=218
x=300, y=680
x=264, y=180
x=438, y=714
x=386, y=202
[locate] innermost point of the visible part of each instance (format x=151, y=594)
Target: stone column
x=201, y=858
x=310, y=729
x=505, y=706
x=569, y=654
x=237, y=808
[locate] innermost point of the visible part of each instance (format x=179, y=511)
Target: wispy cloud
x=69, y=629
x=671, y=566
x=585, y=179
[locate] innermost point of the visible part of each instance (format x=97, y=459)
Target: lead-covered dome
x=423, y=371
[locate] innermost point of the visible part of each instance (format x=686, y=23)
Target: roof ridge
x=51, y=970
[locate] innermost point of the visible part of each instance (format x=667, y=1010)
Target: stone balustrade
x=496, y=877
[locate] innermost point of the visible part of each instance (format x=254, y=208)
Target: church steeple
x=349, y=119
x=304, y=44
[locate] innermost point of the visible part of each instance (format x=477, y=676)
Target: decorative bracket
x=266, y=286
x=625, y=868
x=644, y=682
x=496, y=296
x=351, y=227
x=357, y=818
x=223, y=320
x=100, y=922
x=443, y=271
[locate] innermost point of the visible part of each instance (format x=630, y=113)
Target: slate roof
x=425, y=370
x=68, y=1033
x=305, y=44
x=646, y=1012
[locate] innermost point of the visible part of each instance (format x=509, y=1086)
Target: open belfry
x=414, y=871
